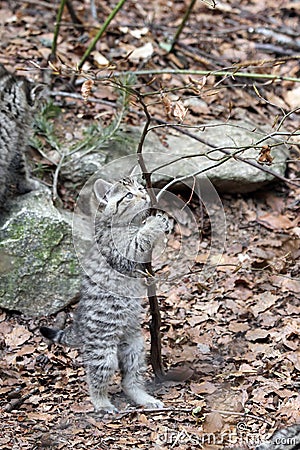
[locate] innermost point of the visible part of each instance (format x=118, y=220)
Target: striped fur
x=108, y=321
x=17, y=104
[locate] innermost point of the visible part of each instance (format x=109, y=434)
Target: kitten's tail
x=65, y=337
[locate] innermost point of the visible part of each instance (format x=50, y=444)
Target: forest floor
x=239, y=329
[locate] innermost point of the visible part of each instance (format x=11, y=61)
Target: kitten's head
x=125, y=200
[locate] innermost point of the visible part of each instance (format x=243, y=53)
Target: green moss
x=39, y=271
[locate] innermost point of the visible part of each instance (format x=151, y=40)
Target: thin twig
x=245, y=415
x=52, y=56
x=72, y=13
x=42, y=4
x=217, y=73
x=100, y=33
x=182, y=25
x=16, y=403
x=146, y=174
x=189, y=411
x=55, y=195
x=155, y=324
x=127, y=412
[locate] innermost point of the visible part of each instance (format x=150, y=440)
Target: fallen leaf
x=86, y=89
x=181, y=373
x=238, y=327
x=39, y=416
x=263, y=302
x=291, y=285
x=296, y=231
x=294, y=357
x=138, y=33
x=213, y=423
x=143, y=52
x=179, y=110
x=5, y=328
x=265, y=155
x=292, y=97
x=203, y=388
x=275, y=221
x=26, y=350
x=100, y=60
x=18, y=336
x=246, y=369
x=257, y=335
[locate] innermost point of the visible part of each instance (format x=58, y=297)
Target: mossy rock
x=39, y=270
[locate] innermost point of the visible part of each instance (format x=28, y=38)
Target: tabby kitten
x=108, y=320
x=17, y=104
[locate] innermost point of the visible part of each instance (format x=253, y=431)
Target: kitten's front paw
x=166, y=222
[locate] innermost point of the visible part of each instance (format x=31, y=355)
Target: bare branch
x=155, y=324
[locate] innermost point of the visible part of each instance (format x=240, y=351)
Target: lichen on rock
x=39, y=270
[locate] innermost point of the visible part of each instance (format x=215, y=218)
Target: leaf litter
x=239, y=330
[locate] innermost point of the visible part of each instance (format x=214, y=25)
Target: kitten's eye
x=129, y=195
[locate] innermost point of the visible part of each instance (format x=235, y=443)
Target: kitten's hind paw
x=105, y=407
x=155, y=404
x=28, y=185
x=102, y=411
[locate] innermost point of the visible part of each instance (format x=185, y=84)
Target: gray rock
x=39, y=270
x=232, y=175
x=226, y=173
x=79, y=167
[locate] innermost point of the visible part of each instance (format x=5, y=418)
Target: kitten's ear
x=101, y=187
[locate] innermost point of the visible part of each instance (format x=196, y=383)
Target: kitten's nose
x=143, y=196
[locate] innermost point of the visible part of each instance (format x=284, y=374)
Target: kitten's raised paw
x=167, y=223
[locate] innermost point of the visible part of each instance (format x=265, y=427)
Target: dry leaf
x=265, y=155
x=138, y=33
x=203, y=388
x=288, y=284
x=292, y=97
x=246, y=369
x=86, y=89
x=275, y=221
x=238, y=327
x=39, y=416
x=179, y=110
x=167, y=104
x=100, y=60
x=26, y=350
x=213, y=423
x=143, y=52
x=18, y=336
x=257, y=334
x=263, y=302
